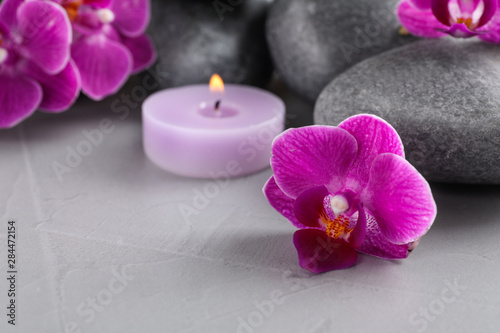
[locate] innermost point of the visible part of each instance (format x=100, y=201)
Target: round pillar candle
x=196, y=131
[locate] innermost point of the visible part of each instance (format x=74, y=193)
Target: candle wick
x=217, y=105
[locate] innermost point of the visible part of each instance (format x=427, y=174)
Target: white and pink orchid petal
x=312, y=156
x=399, y=198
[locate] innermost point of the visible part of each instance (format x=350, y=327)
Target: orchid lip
x=467, y=21
x=337, y=223
x=3, y=55
x=341, y=227
x=460, y=30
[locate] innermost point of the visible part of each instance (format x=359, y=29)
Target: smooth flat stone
x=315, y=40
x=442, y=96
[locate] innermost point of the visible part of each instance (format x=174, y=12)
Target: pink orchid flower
x=348, y=189
x=109, y=42
x=457, y=18
x=35, y=66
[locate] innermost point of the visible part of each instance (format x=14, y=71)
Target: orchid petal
x=377, y=245
x=374, y=137
x=104, y=65
x=492, y=30
x=19, y=98
x=421, y=4
x=46, y=32
x=8, y=12
x=59, y=91
x=319, y=253
x=441, y=11
x=281, y=202
x=358, y=235
x=88, y=23
x=131, y=16
x=110, y=32
x=467, y=7
x=142, y=50
x=4, y=32
x=312, y=156
x=97, y=3
x=419, y=23
x=490, y=10
x=400, y=199
x=308, y=206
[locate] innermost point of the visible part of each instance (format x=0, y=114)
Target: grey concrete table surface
x=105, y=248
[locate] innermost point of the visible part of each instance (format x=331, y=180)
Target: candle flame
x=216, y=83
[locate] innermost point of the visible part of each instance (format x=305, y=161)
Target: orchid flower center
x=339, y=204
x=467, y=21
x=466, y=14
x=338, y=224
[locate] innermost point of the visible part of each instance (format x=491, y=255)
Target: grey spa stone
x=312, y=41
x=442, y=96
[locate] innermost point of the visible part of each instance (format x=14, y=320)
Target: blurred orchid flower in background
x=457, y=18
x=348, y=189
x=35, y=66
x=109, y=43
x=49, y=50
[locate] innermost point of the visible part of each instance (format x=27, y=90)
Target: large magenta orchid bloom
x=109, y=42
x=458, y=18
x=35, y=66
x=348, y=189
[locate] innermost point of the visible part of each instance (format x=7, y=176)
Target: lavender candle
x=212, y=131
